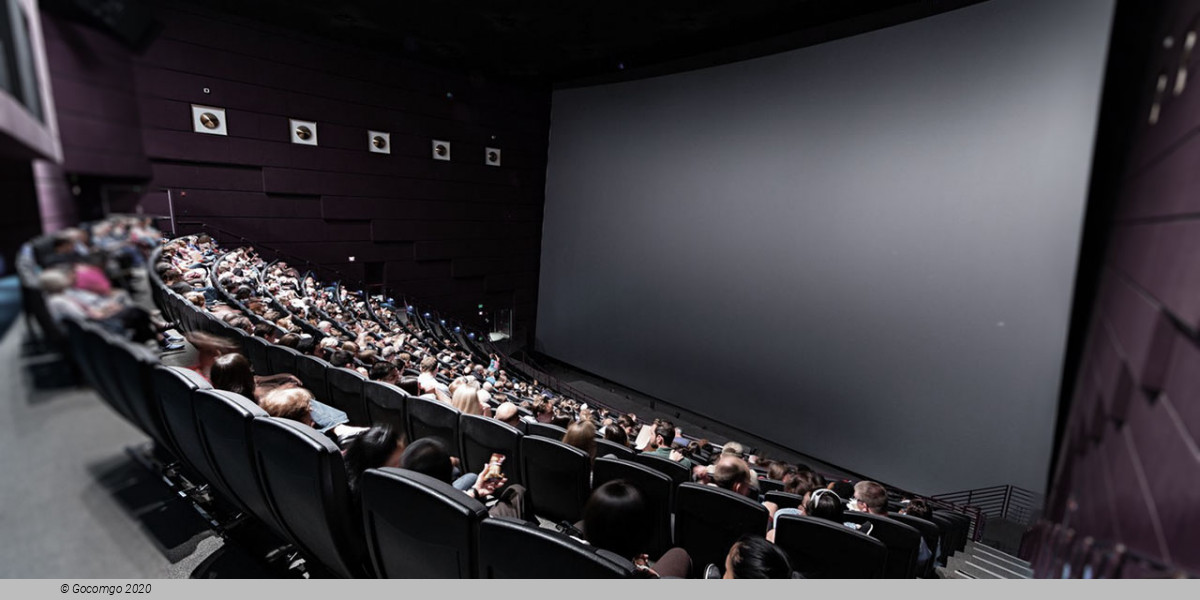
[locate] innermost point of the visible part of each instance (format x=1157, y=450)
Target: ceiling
x=572, y=42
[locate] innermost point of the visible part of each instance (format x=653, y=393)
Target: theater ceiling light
x=491, y=157
x=441, y=150
x=379, y=142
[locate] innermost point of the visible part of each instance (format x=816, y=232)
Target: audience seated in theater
x=466, y=400
x=115, y=314
x=380, y=446
x=753, y=557
x=385, y=372
x=297, y=404
x=507, y=413
x=582, y=435
x=664, y=434
x=733, y=474
x=871, y=497
x=429, y=456
x=616, y=435
x=617, y=518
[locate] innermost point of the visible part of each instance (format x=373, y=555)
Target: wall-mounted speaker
x=208, y=119
x=303, y=132
x=491, y=157
x=379, y=142
x=441, y=150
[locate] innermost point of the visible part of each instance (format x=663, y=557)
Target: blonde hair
x=53, y=281
x=289, y=403
x=467, y=401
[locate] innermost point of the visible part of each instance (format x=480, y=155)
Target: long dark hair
x=369, y=450
x=618, y=519
x=232, y=373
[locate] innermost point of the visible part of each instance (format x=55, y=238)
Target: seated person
x=507, y=413
x=752, y=557
x=296, y=404
x=112, y=314
x=664, y=434
x=582, y=435
x=429, y=457
x=617, y=518
x=379, y=446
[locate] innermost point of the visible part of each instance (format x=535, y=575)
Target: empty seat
x=256, y=350
x=483, y=436
x=96, y=342
x=656, y=488
x=963, y=528
x=311, y=370
x=949, y=531
x=605, y=447
x=281, y=359
x=512, y=549
x=385, y=403
x=431, y=418
x=708, y=520
x=223, y=420
x=930, y=532
x=822, y=549
x=558, y=478
x=174, y=392
x=903, y=543
x=546, y=430
x=304, y=480
x=676, y=471
x=419, y=527
x=346, y=394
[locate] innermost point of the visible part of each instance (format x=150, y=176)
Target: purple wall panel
x=1143, y=350
x=128, y=116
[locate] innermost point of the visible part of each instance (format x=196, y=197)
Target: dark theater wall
x=454, y=234
x=1129, y=467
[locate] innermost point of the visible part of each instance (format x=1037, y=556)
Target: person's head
x=732, y=473
x=615, y=433
x=917, y=507
x=385, y=371
x=824, y=504
x=289, y=403
x=802, y=482
x=428, y=364
x=466, y=400
x=664, y=434
x=507, y=413
x=582, y=435
x=340, y=358
x=870, y=497
x=55, y=281
x=779, y=470
x=842, y=488
x=291, y=340
x=306, y=345
x=629, y=424
x=210, y=346
x=379, y=446
x=753, y=557
x=617, y=518
x=266, y=331
x=429, y=457
x=232, y=373
x=733, y=449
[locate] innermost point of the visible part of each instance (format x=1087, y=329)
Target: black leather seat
x=948, y=529
x=281, y=359
x=676, y=471
x=256, y=350
x=311, y=371
x=962, y=530
x=545, y=430
x=77, y=346
x=346, y=393
x=558, y=478
x=512, y=549
x=903, y=543
x=174, y=392
x=224, y=419
x=431, y=418
x=385, y=403
x=419, y=527
x=822, y=549
x=708, y=520
x=134, y=366
x=784, y=499
x=483, y=436
x=770, y=485
x=955, y=527
x=930, y=532
x=304, y=480
x=606, y=447
x=98, y=348
x=657, y=489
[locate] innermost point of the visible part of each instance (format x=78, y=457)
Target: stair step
x=945, y=573
x=998, y=568
x=978, y=569
x=998, y=556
